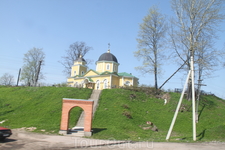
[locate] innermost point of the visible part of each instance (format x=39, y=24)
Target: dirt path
x=23, y=140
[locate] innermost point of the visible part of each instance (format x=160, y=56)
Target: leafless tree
x=33, y=65
x=7, y=79
x=151, y=41
x=75, y=50
x=195, y=25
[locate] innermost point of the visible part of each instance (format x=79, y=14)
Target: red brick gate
x=68, y=104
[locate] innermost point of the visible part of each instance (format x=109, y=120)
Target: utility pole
x=38, y=71
x=193, y=97
x=191, y=76
x=18, y=77
x=178, y=107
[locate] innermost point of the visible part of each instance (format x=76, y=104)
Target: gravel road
x=24, y=140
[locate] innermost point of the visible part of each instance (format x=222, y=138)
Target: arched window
x=82, y=73
x=127, y=83
x=74, y=73
x=108, y=67
x=97, y=84
x=105, y=82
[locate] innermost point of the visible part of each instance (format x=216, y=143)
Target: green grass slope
x=38, y=107
x=122, y=114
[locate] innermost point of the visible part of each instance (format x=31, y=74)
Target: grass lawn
x=121, y=117
x=38, y=107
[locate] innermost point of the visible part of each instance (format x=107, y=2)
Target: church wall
x=74, y=68
x=91, y=73
x=135, y=82
x=70, y=81
x=115, y=81
x=123, y=81
x=108, y=66
x=120, y=81
x=82, y=69
x=78, y=69
x=99, y=67
x=102, y=80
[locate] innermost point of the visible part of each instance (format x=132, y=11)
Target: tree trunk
x=189, y=91
x=156, y=80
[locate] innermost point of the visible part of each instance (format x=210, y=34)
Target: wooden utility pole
x=38, y=71
x=18, y=77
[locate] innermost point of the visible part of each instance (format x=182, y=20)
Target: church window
x=105, y=84
x=114, y=68
x=107, y=66
x=97, y=84
x=82, y=73
x=74, y=73
x=127, y=83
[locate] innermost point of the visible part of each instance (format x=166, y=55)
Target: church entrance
x=89, y=84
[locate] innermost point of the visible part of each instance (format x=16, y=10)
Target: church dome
x=108, y=57
x=80, y=59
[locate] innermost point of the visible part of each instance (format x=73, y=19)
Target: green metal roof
x=90, y=80
x=107, y=72
x=124, y=74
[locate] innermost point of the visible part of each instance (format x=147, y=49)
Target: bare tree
x=151, y=40
x=195, y=25
x=33, y=65
x=7, y=80
x=75, y=50
x=207, y=58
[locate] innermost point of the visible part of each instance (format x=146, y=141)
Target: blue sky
x=55, y=24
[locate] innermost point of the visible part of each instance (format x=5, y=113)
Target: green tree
x=33, y=65
x=151, y=41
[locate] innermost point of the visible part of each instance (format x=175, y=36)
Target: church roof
x=124, y=74
x=80, y=59
x=108, y=57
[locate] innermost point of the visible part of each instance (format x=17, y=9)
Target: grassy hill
x=122, y=114
x=38, y=107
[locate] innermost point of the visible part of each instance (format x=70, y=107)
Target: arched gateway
x=68, y=104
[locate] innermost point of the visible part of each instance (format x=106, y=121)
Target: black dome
x=107, y=57
x=80, y=59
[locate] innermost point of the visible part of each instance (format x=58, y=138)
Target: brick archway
x=68, y=104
